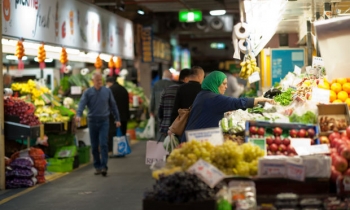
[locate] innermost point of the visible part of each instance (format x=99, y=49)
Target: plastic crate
x=65, y=152
x=57, y=141
x=84, y=154
x=60, y=165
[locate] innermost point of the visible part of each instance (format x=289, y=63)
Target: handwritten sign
x=212, y=135
x=295, y=171
x=297, y=70
x=273, y=170
x=75, y=90
x=254, y=77
x=320, y=95
x=317, y=62
x=207, y=173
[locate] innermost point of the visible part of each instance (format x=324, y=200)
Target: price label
x=254, y=77
x=319, y=149
x=75, y=90
x=295, y=171
x=273, y=170
x=207, y=173
x=317, y=62
x=212, y=135
x=297, y=70
x=320, y=95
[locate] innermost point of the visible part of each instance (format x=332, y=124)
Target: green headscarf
x=213, y=81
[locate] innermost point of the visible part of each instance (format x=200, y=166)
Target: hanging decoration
x=41, y=56
x=19, y=54
x=63, y=59
x=118, y=65
x=111, y=66
x=98, y=63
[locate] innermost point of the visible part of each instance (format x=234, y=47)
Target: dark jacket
x=121, y=96
x=209, y=108
x=185, y=96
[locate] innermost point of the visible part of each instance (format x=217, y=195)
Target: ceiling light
x=47, y=60
x=217, y=12
x=13, y=57
x=140, y=12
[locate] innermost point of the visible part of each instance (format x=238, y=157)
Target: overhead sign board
x=190, y=16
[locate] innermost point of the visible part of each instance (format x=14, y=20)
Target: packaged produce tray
x=159, y=205
x=268, y=126
x=15, y=131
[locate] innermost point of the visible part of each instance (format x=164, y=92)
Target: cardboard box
x=336, y=111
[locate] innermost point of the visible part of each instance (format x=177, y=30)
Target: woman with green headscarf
x=210, y=104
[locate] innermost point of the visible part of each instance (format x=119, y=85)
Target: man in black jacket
x=186, y=93
x=121, y=97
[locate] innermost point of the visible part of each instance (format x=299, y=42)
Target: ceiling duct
x=216, y=23
x=202, y=24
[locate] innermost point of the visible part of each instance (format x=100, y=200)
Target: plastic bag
x=170, y=143
x=120, y=144
x=23, y=162
x=148, y=132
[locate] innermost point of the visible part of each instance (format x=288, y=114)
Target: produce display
x=23, y=110
x=285, y=98
x=34, y=89
x=332, y=123
x=230, y=158
x=134, y=90
x=48, y=114
x=306, y=118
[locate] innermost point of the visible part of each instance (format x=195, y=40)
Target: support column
x=309, y=44
x=318, y=53
x=2, y=139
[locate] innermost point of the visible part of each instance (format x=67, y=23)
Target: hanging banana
x=248, y=66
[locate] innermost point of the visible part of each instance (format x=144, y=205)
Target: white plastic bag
x=120, y=144
x=148, y=132
x=170, y=143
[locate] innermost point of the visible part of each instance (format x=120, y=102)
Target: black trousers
x=113, y=132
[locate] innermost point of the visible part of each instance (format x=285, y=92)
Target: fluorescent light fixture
x=217, y=12
x=47, y=60
x=140, y=12
x=13, y=57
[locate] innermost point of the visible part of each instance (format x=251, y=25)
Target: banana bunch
x=39, y=102
x=249, y=66
x=48, y=114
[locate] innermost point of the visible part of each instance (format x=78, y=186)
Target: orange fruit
x=342, y=80
x=348, y=79
x=347, y=101
x=342, y=95
x=332, y=96
x=346, y=87
x=337, y=101
x=336, y=87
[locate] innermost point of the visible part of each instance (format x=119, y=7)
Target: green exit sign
x=190, y=16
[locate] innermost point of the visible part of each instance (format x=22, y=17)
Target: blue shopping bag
x=121, y=145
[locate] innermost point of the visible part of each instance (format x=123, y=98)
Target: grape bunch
x=190, y=153
x=180, y=187
x=25, y=111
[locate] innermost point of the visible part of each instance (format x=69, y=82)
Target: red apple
x=278, y=153
x=310, y=132
x=340, y=163
x=291, y=149
x=286, y=141
x=269, y=140
x=269, y=153
x=333, y=135
x=348, y=131
x=302, y=133
x=277, y=131
x=335, y=174
x=278, y=140
x=336, y=142
x=333, y=151
x=261, y=131
x=282, y=147
x=293, y=133
x=273, y=147
x=253, y=130
x=347, y=172
x=343, y=134
x=344, y=138
x=344, y=151
x=285, y=153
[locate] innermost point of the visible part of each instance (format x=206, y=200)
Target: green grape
x=242, y=169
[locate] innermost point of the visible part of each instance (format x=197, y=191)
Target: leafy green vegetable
x=307, y=118
x=285, y=98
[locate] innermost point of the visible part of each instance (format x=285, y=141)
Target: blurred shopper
x=100, y=103
x=121, y=97
x=7, y=80
x=157, y=90
x=186, y=93
x=234, y=88
x=167, y=102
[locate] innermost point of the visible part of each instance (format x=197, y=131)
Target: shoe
x=104, y=172
x=98, y=172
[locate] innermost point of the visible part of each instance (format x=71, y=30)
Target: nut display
x=332, y=124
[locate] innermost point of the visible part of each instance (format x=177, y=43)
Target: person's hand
x=262, y=99
x=118, y=124
x=77, y=119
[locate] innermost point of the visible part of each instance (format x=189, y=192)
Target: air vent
x=202, y=24
x=185, y=25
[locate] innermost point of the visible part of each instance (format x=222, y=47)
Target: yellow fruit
x=336, y=87
x=341, y=80
x=342, y=95
x=347, y=101
x=325, y=85
x=337, y=101
x=332, y=96
x=346, y=87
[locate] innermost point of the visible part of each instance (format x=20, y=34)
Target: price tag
x=297, y=70
x=254, y=77
x=212, y=135
x=302, y=151
x=320, y=95
x=75, y=90
x=207, y=173
x=295, y=171
x=300, y=142
x=273, y=170
x=319, y=149
x=317, y=62
x=260, y=142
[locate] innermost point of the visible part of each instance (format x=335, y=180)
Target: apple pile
x=340, y=153
x=278, y=146
x=257, y=131
x=25, y=111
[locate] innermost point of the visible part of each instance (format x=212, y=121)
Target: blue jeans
x=98, y=129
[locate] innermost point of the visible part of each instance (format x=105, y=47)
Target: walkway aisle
x=122, y=189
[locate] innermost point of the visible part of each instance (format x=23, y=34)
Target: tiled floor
x=122, y=189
